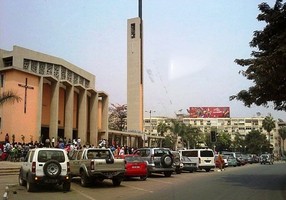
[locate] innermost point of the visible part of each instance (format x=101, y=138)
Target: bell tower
x=135, y=73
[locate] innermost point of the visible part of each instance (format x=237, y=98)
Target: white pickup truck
x=95, y=165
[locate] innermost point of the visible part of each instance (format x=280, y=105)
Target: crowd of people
x=16, y=151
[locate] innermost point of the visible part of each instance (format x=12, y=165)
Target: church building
x=59, y=99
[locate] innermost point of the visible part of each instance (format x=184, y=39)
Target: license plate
x=51, y=181
x=109, y=174
x=135, y=167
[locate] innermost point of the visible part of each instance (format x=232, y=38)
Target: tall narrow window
x=1, y=80
x=133, y=30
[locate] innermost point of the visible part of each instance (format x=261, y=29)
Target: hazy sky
x=189, y=46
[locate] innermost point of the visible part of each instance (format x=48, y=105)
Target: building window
x=8, y=62
x=133, y=30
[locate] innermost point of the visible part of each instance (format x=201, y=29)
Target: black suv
x=159, y=160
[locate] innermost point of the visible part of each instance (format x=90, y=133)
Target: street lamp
x=150, y=127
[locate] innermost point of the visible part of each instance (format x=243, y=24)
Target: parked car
x=225, y=160
x=202, y=158
x=159, y=160
x=266, y=159
x=45, y=166
x=188, y=165
x=96, y=165
x=177, y=164
x=231, y=161
x=135, y=166
x=252, y=158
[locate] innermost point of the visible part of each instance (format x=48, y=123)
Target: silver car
x=159, y=160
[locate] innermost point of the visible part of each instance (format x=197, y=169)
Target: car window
x=73, y=155
x=98, y=154
x=190, y=153
x=144, y=152
x=206, y=153
x=161, y=152
x=45, y=155
x=79, y=155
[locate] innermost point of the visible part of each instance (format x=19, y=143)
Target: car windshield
x=133, y=159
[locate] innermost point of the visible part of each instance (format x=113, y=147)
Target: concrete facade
x=232, y=126
x=134, y=75
x=59, y=99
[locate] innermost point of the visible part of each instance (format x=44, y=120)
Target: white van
x=203, y=158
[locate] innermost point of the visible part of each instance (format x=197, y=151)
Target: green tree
x=237, y=143
x=118, y=117
x=267, y=65
x=9, y=96
x=256, y=142
x=192, y=136
x=282, y=134
x=223, y=142
x=268, y=124
x=176, y=129
x=162, y=128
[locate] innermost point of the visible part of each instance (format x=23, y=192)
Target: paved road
x=251, y=182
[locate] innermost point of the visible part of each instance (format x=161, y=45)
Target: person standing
x=53, y=142
x=220, y=162
x=78, y=141
x=7, y=137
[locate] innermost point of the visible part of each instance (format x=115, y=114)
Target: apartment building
x=231, y=126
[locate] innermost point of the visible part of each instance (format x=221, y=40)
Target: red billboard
x=209, y=112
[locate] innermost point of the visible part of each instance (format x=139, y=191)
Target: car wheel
x=67, y=186
x=22, y=182
x=84, y=181
x=208, y=170
x=167, y=174
x=191, y=171
x=52, y=169
x=143, y=178
x=116, y=181
x=178, y=171
x=166, y=160
x=30, y=186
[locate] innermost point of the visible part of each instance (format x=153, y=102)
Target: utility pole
x=150, y=123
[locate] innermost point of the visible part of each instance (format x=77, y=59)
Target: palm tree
x=176, y=128
x=282, y=134
x=9, y=96
x=162, y=128
x=268, y=124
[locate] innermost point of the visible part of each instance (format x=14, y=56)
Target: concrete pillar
x=82, y=116
x=105, y=102
x=69, y=101
x=55, y=87
x=121, y=140
x=93, y=119
x=40, y=109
